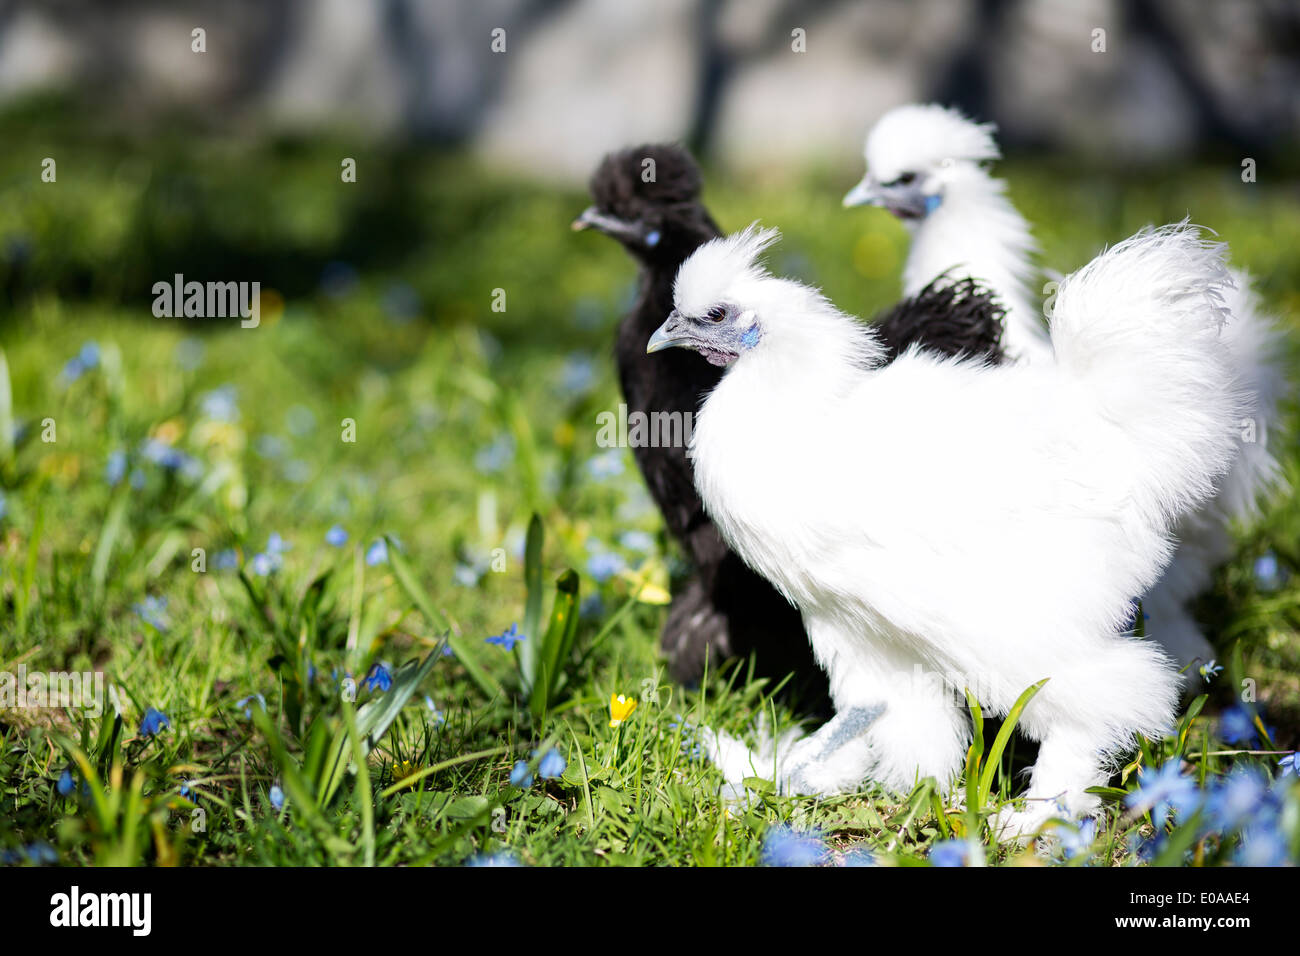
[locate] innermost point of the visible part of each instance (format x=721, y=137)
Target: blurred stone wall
x=578, y=77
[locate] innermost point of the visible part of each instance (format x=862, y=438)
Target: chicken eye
x=906, y=179
x=716, y=314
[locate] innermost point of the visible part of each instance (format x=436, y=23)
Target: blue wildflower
x=495, y=456
x=1078, y=840
x=277, y=797
x=1288, y=765
x=380, y=677
x=637, y=541
x=185, y=789
x=66, y=784
x=858, y=856
x=246, y=704
x=153, y=611
x=264, y=564
x=115, y=470
x=1237, y=725
x=467, y=576
x=153, y=722
x=221, y=404
x=607, y=464
x=40, y=852
x=1211, y=670
x=494, y=859
x=950, y=853
x=1165, y=792
x=336, y=536
x=377, y=553
x=783, y=846
x=4, y=504
x=577, y=375
x=438, y=718
x=276, y=545
x=226, y=560
x=1237, y=799
x=603, y=565
x=507, y=638
x=1268, y=574
x=520, y=776
x=552, y=765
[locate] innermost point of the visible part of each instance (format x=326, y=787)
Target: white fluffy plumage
x=943, y=524
x=974, y=230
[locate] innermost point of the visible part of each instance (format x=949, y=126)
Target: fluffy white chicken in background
x=943, y=524
x=924, y=166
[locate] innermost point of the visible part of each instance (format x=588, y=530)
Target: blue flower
x=603, y=565
x=1268, y=574
x=264, y=564
x=221, y=404
x=82, y=362
x=637, y=541
x=1077, y=841
x=153, y=611
x=4, y=504
x=115, y=470
x=466, y=575
x=377, y=553
x=607, y=464
x=226, y=560
x=577, y=375
x=494, y=859
x=1211, y=670
x=276, y=545
x=1237, y=799
x=40, y=852
x=858, y=856
x=783, y=846
x=167, y=456
x=66, y=784
x=507, y=638
x=277, y=797
x=1288, y=765
x=153, y=722
x=952, y=853
x=495, y=456
x=246, y=704
x=438, y=718
x=552, y=765
x=1165, y=792
x=185, y=789
x=336, y=536
x=1237, y=725
x=520, y=776
x=379, y=677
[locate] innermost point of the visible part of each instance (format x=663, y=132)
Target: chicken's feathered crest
x=719, y=266
x=916, y=136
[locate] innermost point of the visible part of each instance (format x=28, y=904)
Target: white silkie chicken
x=944, y=524
x=925, y=165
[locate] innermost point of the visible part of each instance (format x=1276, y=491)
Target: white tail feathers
x=1140, y=325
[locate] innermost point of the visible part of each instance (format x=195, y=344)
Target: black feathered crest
x=619, y=183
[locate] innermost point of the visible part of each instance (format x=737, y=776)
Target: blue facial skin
x=652, y=238
x=932, y=203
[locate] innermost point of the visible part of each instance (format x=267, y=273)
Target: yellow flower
x=402, y=769
x=620, y=708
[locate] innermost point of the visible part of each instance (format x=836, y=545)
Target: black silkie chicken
x=726, y=609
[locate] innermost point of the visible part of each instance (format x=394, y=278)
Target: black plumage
x=725, y=609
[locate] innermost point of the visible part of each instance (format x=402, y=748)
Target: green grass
x=467, y=422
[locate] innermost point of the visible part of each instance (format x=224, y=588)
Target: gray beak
x=593, y=218
x=905, y=202
x=674, y=333
x=865, y=193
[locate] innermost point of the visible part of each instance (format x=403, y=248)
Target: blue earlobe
x=751, y=336
x=932, y=203
x=652, y=238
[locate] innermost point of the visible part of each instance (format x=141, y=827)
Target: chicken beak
x=672, y=334
x=864, y=193
x=593, y=218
